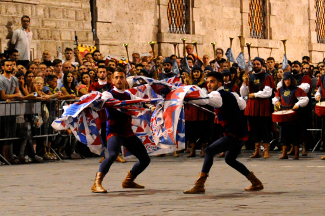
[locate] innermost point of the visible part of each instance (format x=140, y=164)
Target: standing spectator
x=97, y=56
x=9, y=90
x=21, y=40
x=136, y=58
x=206, y=60
x=57, y=64
x=270, y=62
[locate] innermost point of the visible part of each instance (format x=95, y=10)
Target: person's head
x=136, y=58
x=110, y=71
x=119, y=78
x=190, y=62
x=219, y=53
x=138, y=68
x=296, y=67
x=279, y=73
x=225, y=65
x=68, y=79
x=89, y=57
x=144, y=72
x=173, y=57
x=13, y=54
x=52, y=81
x=306, y=59
x=318, y=74
x=85, y=78
x=305, y=68
x=37, y=62
x=21, y=68
x=46, y=55
x=68, y=54
x=189, y=49
x=57, y=65
x=158, y=62
x=40, y=74
x=214, y=81
x=226, y=75
x=196, y=73
x=97, y=55
x=82, y=69
x=67, y=67
x=42, y=67
x=50, y=70
x=102, y=73
x=185, y=75
x=32, y=67
x=206, y=59
x=168, y=65
x=112, y=63
x=257, y=64
x=14, y=64
x=92, y=75
x=270, y=62
x=207, y=69
x=288, y=80
x=39, y=83
x=25, y=21
x=87, y=64
x=21, y=77
x=29, y=77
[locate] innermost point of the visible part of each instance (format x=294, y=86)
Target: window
x=320, y=20
x=177, y=13
x=256, y=18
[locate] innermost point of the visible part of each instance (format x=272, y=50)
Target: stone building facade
x=110, y=23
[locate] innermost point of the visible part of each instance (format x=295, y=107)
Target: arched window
x=177, y=17
x=256, y=18
x=320, y=20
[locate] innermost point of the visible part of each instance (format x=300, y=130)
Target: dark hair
x=86, y=73
x=95, y=52
x=68, y=49
x=293, y=83
x=25, y=16
x=190, y=57
x=88, y=54
x=270, y=59
x=119, y=69
x=307, y=58
x=110, y=69
x=66, y=85
x=19, y=73
x=100, y=62
x=26, y=74
x=29, y=65
x=102, y=66
x=5, y=60
x=56, y=62
x=10, y=52
x=139, y=65
x=216, y=75
x=135, y=54
x=51, y=77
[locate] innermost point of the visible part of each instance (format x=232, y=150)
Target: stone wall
x=53, y=23
x=137, y=22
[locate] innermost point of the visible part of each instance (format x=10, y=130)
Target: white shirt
x=22, y=41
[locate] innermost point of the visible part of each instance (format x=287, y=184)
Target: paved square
x=63, y=188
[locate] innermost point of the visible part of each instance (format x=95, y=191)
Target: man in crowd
x=13, y=55
x=136, y=58
x=270, y=62
x=57, y=65
x=21, y=40
x=97, y=56
x=47, y=58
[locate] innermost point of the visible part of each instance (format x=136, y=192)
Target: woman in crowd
x=93, y=76
x=69, y=89
x=85, y=83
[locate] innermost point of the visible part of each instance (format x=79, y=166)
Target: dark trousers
x=260, y=128
x=134, y=145
x=232, y=147
x=290, y=133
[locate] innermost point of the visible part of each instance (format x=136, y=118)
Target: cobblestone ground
x=63, y=188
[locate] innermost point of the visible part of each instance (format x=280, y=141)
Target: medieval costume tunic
x=258, y=109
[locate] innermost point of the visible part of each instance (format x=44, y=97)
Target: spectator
x=97, y=56
x=93, y=76
x=85, y=84
x=57, y=64
x=46, y=58
x=69, y=89
x=13, y=55
x=82, y=69
x=29, y=82
x=32, y=67
x=206, y=60
x=136, y=58
x=37, y=62
x=50, y=70
x=21, y=40
x=112, y=63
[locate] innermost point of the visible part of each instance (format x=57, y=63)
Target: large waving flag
x=241, y=61
x=230, y=56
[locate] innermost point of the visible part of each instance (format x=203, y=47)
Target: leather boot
x=284, y=152
x=176, y=154
x=120, y=159
x=97, y=187
x=192, y=153
x=322, y=158
x=266, y=150
x=101, y=160
x=292, y=150
x=222, y=155
x=257, y=152
x=188, y=149
x=203, y=146
x=303, y=150
x=129, y=182
x=296, y=157
x=199, y=185
x=256, y=183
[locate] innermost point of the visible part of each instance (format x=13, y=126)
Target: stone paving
x=63, y=188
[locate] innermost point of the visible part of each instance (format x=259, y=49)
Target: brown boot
x=284, y=152
x=203, y=146
x=266, y=150
x=256, y=183
x=129, y=182
x=257, y=152
x=120, y=159
x=303, y=150
x=188, y=149
x=199, y=185
x=292, y=150
x=97, y=187
x=322, y=158
x=176, y=154
x=192, y=153
x=101, y=160
x=222, y=155
x=296, y=157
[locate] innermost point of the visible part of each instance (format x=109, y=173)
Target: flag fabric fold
x=241, y=61
x=230, y=56
x=285, y=62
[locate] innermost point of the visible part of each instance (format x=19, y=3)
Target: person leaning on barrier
x=9, y=90
x=69, y=90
